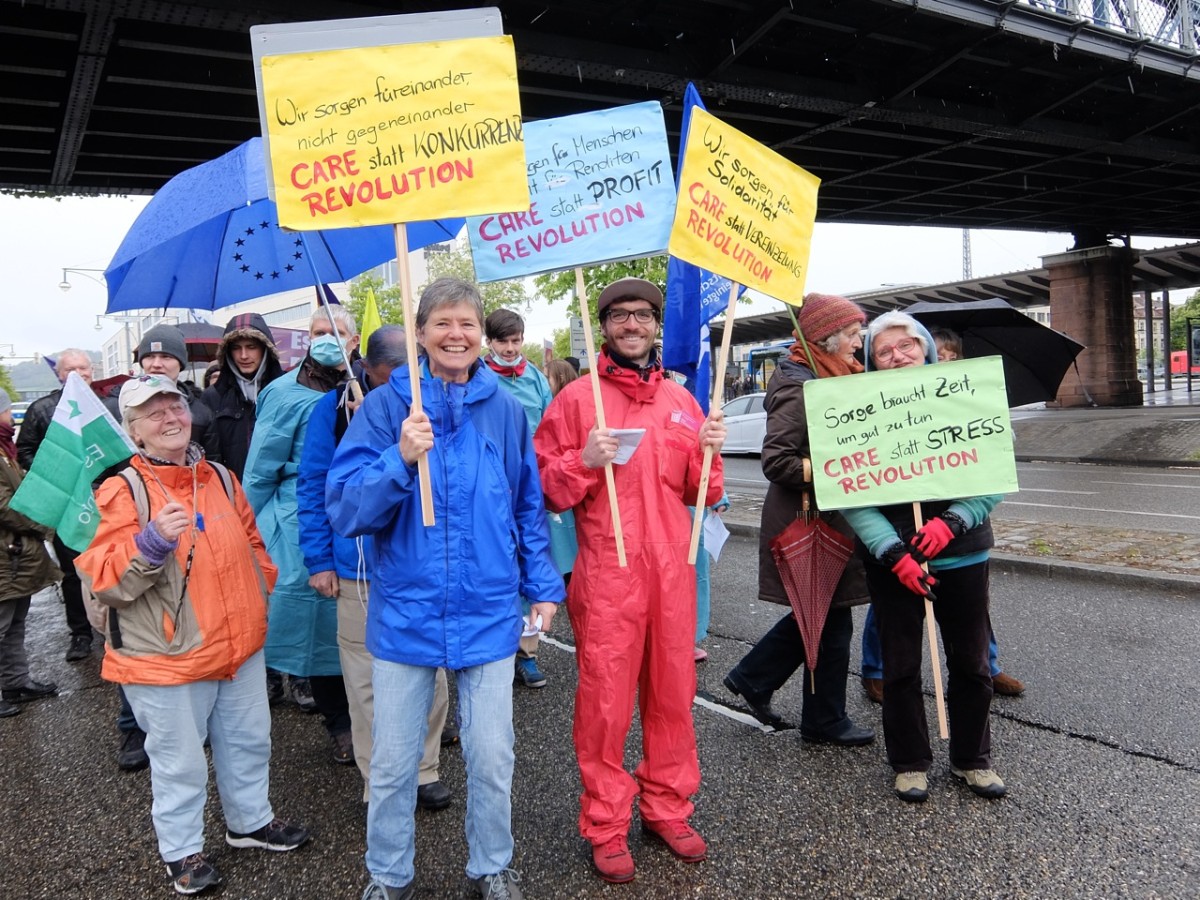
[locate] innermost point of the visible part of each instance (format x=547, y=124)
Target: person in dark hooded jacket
x=249, y=362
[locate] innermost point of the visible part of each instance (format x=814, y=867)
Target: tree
x=1179, y=317
x=7, y=385
x=452, y=262
x=557, y=285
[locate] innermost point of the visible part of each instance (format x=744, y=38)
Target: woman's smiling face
x=452, y=336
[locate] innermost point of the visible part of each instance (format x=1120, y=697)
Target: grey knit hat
x=164, y=339
x=5, y=401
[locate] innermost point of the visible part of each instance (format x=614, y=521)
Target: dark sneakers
x=377, y=891
x=8, y=709
x=276, y=835
x=81, y=648
x=528, y=673
x=193, y=874
x=501, y=886
x=131, y=755
x=433, y=796
x=760, y=705
x=35, y=690
x=343, y=748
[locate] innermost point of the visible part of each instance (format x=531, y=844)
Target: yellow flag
x=371, y=319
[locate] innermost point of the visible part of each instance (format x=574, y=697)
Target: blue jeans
x=403, y=695
x=872, y=657
x=234, y=716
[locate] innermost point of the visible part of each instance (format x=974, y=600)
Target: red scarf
x=827, y=365
x=7, y=447
x=505, y=371
x=639, y=385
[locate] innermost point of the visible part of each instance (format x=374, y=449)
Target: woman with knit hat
x=830, y=335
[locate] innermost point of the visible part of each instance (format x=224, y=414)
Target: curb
x=1141, y=463
x=1052, y=567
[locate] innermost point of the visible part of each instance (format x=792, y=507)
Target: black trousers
x=961, y=612
x=329, y=693
x=780, y=652
x=72, y=590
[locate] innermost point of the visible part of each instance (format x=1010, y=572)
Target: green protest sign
x=935, y=432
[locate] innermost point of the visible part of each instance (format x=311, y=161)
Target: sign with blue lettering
x=601, y=189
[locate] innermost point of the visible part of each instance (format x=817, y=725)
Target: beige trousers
x=356, y=671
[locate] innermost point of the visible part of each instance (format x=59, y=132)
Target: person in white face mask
x=302, y=624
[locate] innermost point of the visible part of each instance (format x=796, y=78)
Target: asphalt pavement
x=1101, y=756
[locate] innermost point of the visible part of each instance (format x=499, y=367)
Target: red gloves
x=935, y=535
x=910, y=573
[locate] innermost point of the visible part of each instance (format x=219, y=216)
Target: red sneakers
x=680, y=839
x=613, y=860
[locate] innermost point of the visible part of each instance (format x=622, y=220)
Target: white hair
x=897, y=319
x=341, y=315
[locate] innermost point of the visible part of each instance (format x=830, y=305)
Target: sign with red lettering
x=398, y=133
x=601, y=190
x=744, y=211
x=935, y=432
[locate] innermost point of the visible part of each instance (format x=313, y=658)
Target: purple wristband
x=153, y=545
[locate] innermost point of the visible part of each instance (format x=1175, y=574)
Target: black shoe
x=760, y=706
x=193, y=874
x=8, y=709
x=433, y=796
x=276, y=835
x=449, y=734
x=343, y=748
x=275, y=688
x=849, y=735
x=131, y=755
x=35, y=690
x=81, y=648
x=301, y=690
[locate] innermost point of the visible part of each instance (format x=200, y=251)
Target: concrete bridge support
x=1091, y=294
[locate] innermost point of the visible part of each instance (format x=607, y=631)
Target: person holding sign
x=634, y=626
x=830, y=334
x=954, y=540
x=447, y=595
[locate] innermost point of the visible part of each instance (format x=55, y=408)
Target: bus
x=762, y=362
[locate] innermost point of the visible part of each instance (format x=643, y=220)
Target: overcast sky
x=41, y=236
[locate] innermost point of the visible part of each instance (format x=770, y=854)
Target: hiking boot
x=343, y=748
x=528, y=673
x=131, y=755
x=80, y=648
x=193, y=874
x=8, y=709
x=613, y=860
x=377, y=891
x=501, y=886
x=433, y=796
x=983, y=782
x=874, y=689
x=912, y=787
x=680, y=838
x=301, y=691
x=35, y=690
x=276, y=835
x=1007, y=686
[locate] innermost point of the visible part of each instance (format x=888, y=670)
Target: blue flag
x=694, y=296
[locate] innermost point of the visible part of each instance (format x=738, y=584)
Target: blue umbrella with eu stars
x=210, y=238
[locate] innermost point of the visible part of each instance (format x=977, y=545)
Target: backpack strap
x=141, y=502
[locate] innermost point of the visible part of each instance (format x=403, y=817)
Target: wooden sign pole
x=934, y=658
x=718, y=400
x=590, y=343
x=414, y=366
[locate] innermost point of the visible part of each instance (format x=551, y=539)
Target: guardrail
x=1166, y=22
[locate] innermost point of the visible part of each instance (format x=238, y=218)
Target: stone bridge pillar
x=1091, y=299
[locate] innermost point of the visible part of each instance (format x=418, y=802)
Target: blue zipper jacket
x=450, y=594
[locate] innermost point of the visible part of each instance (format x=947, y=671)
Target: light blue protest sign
x=601, y=189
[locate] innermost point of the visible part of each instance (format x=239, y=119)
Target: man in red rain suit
x=634, y=627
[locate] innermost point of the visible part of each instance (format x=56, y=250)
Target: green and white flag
x=82, y=441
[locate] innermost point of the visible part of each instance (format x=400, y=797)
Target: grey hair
x=341, y=315
x=71, y=351
x=897, y=319
x=385, y=346
x=832, y=343
x=448, y=292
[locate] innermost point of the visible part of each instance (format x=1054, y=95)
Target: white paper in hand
x=627, y=441
x=715, y=535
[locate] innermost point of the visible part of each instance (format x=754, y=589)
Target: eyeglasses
x=178, y=408
x=621, y=316
x=905, y=346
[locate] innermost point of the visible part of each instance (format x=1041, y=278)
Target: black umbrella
x=1035, y=357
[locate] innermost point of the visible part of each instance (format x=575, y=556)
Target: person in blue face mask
x=302, y=619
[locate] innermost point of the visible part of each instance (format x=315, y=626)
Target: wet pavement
x=1101, y=755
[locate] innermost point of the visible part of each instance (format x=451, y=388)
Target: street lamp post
x=65, y=284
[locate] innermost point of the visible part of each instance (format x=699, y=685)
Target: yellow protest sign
x=743, y=211
x=398, y=133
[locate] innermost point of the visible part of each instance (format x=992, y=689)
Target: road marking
x=1029, y=490
x=1174, y=487
x=1123, y=512
x=720, y=709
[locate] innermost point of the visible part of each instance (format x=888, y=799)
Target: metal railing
x=1167, y=22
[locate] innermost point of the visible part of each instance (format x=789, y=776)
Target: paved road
x=1151, y=499
x=1102, y=757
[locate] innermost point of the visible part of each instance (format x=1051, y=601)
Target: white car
x=746, y=424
